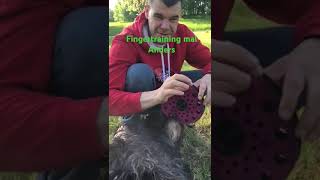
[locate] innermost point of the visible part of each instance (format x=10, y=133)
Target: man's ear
x=147, y=10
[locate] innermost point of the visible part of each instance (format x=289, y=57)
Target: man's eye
x=174, y=19
x=158, y=17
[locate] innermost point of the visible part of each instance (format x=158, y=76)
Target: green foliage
x=127, y=10
x=196, y=7
x=111, y=19
x=135, y=5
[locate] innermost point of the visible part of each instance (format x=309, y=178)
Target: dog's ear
x=174, y=130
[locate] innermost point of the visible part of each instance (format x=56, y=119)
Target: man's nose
x=165, y=24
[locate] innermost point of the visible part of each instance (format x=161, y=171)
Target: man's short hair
x=168, y=3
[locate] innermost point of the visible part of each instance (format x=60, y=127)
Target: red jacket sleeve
x=198, y=55
x=304, y=15
x=38, y=131
x=220, y=14
x=121, y=56
x=309, y=24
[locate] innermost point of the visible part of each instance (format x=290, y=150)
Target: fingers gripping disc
x=186, y=109
x=250, y=140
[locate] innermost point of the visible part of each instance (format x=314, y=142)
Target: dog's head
x=148, y=151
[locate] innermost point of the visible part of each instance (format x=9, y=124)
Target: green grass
x=243, y=18
x=197, y=23
x=17, y=176
x=308, y=164
x=115, y=28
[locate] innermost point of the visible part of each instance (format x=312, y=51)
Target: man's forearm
x=68, y=130
x=149, y=99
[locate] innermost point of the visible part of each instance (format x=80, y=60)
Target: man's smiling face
x=163, y=20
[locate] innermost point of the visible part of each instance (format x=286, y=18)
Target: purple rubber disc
x=186, y=109
x=250, y=141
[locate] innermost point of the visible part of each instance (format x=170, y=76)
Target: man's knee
x=267, y=44
x=80, y=58
x=140, y=77
x=194, y=75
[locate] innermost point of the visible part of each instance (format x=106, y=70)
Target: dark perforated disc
x=186, y=109
x=250, y=141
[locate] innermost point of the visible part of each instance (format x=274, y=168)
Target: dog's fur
x=148, y=150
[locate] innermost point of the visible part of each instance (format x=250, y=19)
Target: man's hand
x=301, y=71
x=174, y=85
x=232, y=69
x=204, y=85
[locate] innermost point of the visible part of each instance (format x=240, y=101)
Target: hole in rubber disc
x=181, y=105
x=229, y=137
x=259, y=159
x=246, y=158
x=268, y=107
x=235, y=164
x=260, y=124
x=248, y=121
x=265, y=176
x=248, y=108
x=254, y=148
x=281, y=133
x=246, y=170
x=280, y=158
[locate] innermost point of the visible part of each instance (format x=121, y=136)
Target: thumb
x=277, y=70
x=293, y=86
x=197, y=83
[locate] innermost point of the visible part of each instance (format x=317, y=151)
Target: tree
x=196, y=7
x=127, y=10
x=111, y=15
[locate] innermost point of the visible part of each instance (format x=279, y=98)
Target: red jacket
x=304, y=15
x=123, y=54
x=38, y=131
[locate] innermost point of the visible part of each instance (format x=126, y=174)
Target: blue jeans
x=80, y=71
x=140, y=78
x=267, y=44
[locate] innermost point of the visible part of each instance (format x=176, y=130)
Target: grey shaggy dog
x=148, y=150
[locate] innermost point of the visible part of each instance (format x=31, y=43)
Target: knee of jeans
x=79, y=69
x=140, y=77
x=82, y=33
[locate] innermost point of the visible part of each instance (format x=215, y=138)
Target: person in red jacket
x=135, y=67
x=289, y=54
x=53, y=87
